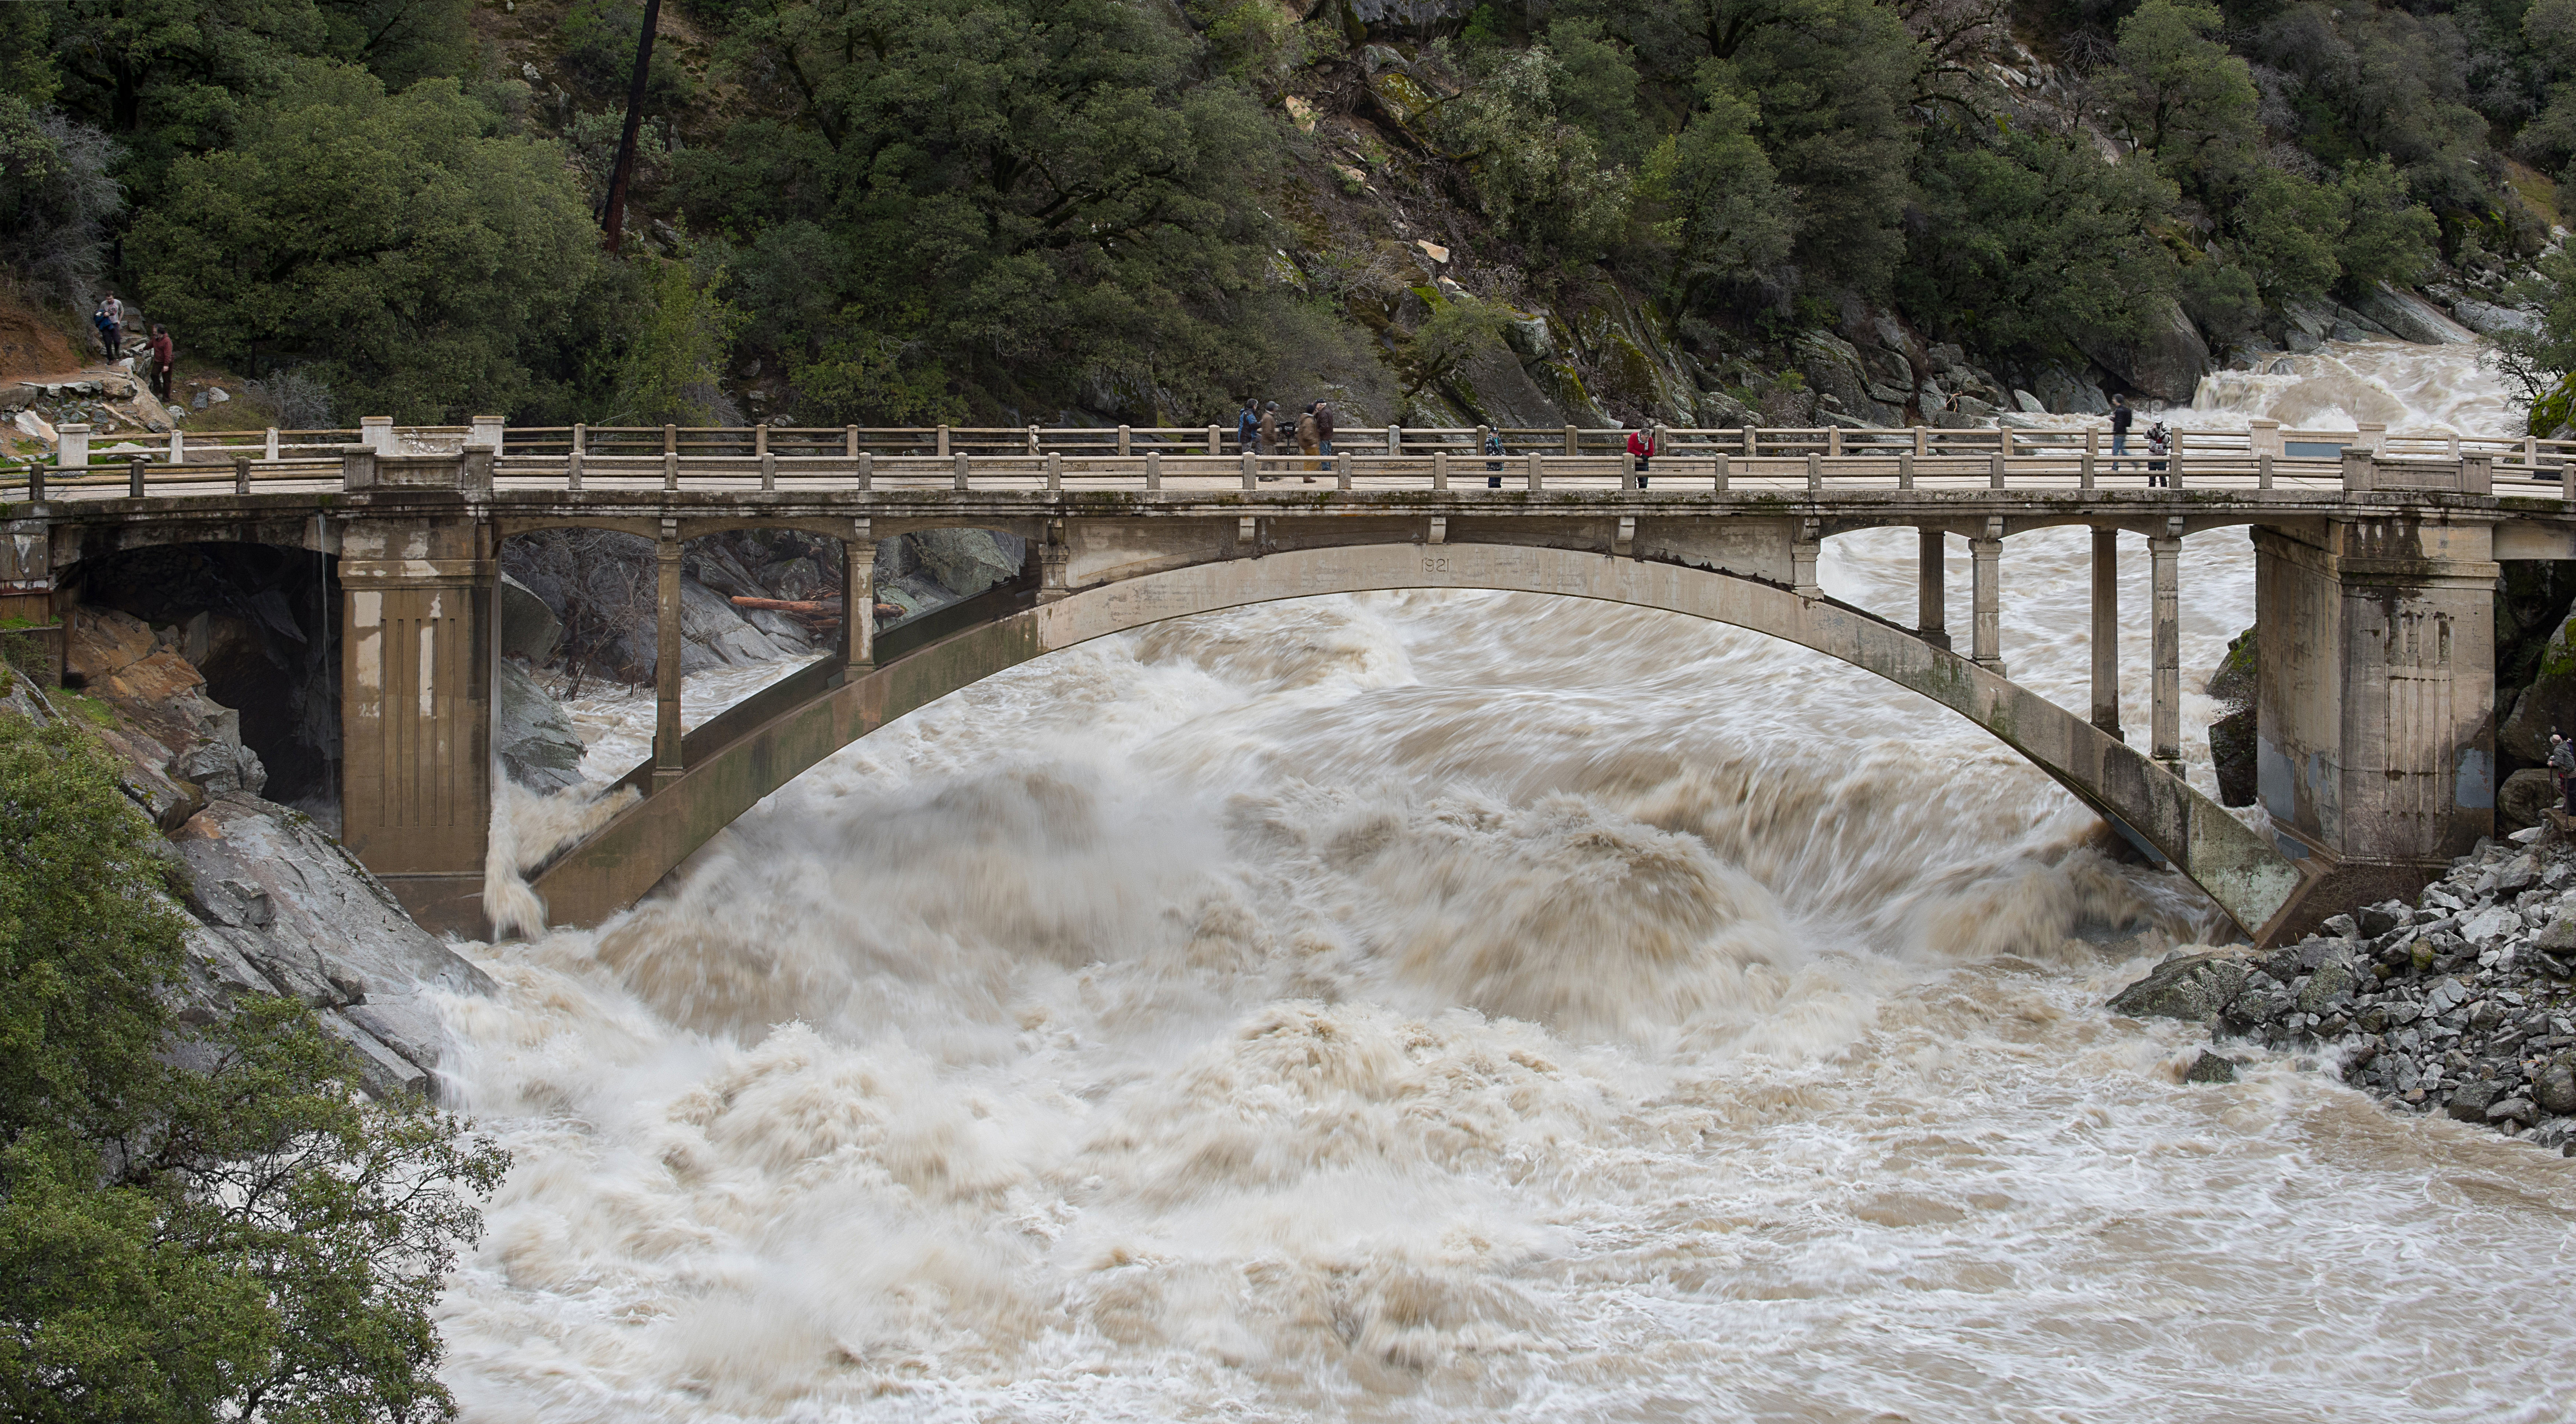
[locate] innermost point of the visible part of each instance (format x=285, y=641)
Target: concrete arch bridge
x=2374, y=605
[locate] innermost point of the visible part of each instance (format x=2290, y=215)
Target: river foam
x=1442, y=1006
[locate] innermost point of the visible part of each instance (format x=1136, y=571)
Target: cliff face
x=277, y=907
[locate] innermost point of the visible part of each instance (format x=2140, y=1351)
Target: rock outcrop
x=276, y=905
x=2460, y=1003
x=2166, y=362
x=2410, y=317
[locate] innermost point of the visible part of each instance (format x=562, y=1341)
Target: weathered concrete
x=2375, y=715
x=626, y=857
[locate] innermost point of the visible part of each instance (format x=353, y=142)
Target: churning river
x=1477, y=1007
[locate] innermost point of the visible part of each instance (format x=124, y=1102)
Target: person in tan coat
x=1309, y=440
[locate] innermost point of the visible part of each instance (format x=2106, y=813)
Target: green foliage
x=2180, y=93
x=418, y=267
x=1460, y=329
x=2385, y=238
x=195, y=1223
x=1716, y=205
x=1540, y=178
x=2041, y=242
x=2285, y=228
x=674, y=366
x=599, y=38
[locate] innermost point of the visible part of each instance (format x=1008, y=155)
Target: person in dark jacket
x=1324, y=427
x=1494, y=466
x=2562, y=765
x=2121, y=415
x=1247, y=428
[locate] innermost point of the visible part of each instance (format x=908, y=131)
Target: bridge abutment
x=2375, y=725
x=416, y=680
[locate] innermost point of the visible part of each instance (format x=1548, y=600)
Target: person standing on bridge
x=1494, y=466
x=163, y=356
x=1274, y=430
x=2121, y=415
x=1643, y=444
x=1324, y=428
x=1247, y=427
x=1307, y=439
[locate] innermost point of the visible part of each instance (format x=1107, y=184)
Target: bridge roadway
x=2374, y=601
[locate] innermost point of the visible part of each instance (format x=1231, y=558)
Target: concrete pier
x=2105, y=636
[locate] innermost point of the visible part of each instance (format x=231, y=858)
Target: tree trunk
x=613, y=224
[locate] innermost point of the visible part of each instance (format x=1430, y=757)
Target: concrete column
x=1803, y=553
x=859, y=597
x=27, y=600
x=417, y=658
x=2375, y=736
x=1987, y=636
x=2164, y=720
x=376, y=432
x=667, y=649
x=71, y=455
x=1932, y=613
x=1051, y=562
x=2106, y=631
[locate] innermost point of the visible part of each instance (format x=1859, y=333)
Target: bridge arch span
x=2238, y=867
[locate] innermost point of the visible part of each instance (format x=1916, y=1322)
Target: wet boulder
x=536, y=743
x=2192, y=987
x=2411, y=318
x=2165, y=361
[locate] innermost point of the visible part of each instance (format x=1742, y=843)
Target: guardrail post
x=1752, y=442
x=72, y=451
x=1341, y=469
x=178, y=445
x=768, y=466
x=1055, y=469
x=2173, y=467
x=1251, y=470
x=1440, y=469
x=1627, y=470
x=241, y=474
x=35, y=480
x=1394, y=441
x=269, y=451
x=867, y=469
x=1216, y=440
x=1834, y=440
x=2370, y=434
x=1534, y=467
x=572, y=469
x=376, y=432
x=1122, y=442
x=1995, y=471
x=1922, y=441
x=962, y=459
x=2477, y=473
x=487, y=430
x=1905, y=469
x=134, y=477
x=1033, y=440
x=850, y=443
x=1815, y=471
x=1153, y=469
x=1721, y=472
x=2358, y=467
x=357, y=467
x=2262, y=470
x=670, y=469
x=1573, y=440
x=2263, y=436
x=942, y=451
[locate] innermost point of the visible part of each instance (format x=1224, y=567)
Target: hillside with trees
x=1064, y=211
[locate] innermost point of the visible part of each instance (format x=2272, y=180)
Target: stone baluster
x=963, y=463
x=1533, y=458
x=1803, y=554
x=1439, y=470
x=1720, y=458
x=1154, y=471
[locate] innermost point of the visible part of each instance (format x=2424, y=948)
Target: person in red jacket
x=163, y=354
x=1643, y=444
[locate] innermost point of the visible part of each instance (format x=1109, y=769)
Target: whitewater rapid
x=1464, y=1006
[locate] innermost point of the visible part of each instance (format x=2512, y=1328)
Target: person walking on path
x=1494, y=465
x=163, y=356
x=1247, y=427
x=1307, y=439
x=110, y=322
x=2121, y=415
x=1642, y=444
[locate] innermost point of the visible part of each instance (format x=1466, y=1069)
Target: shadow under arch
x=2237, y=867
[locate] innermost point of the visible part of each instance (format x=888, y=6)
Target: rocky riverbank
x=274, y=904
x=2460, y=1003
